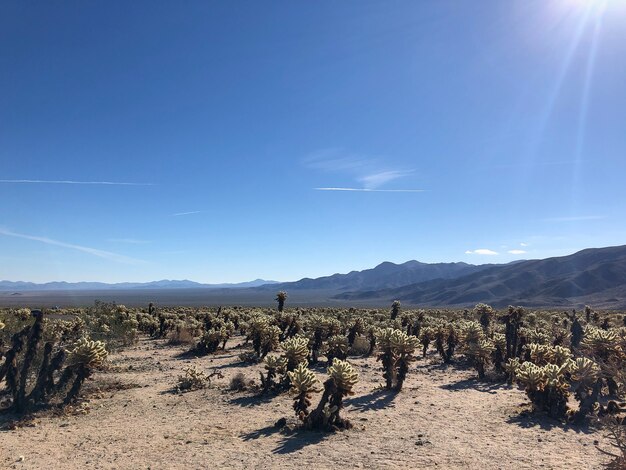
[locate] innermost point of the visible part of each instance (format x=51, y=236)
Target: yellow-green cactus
x=583, y=370
x=88, y=353
x=303, y=380
x=296, y=350
x=344, y=375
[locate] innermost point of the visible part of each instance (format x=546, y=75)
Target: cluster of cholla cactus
x=476, y=346
x=318, y=329
x=214, y=338
x=34, y=377
x=265, y=336
x=274, y=367
x=337, y=347
x=396, y=354
x=446, y=339
x=342, y=379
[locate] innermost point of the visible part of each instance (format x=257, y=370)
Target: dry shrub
x=239, y=382
x=360, y=347
x=183, y=335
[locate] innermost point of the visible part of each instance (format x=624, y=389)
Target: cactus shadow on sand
x=252, y=400
x=376, y=400
x=475, y=384
x=293, y=440
x=527, y=419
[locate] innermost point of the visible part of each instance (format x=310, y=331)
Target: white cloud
x=367, y=190
x=523, y=244
x=375, y=180
x=517, y=252
x=85, y=249
x=178, y=214
x=107, y=183
x=371, y=172
x=481, y=251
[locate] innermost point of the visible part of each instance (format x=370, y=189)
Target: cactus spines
x=303, y=383
x=88, y=353
x=295, y=350
x=344, y=375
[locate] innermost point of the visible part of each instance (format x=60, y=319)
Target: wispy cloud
x=178, y=214
x=523, y=244
x=370, y=172
x=517, y=252
x=578, y=218
x=481, y=251
x=130, y=241
x=368, y=190
x=85, y=249
x=107, y=183
x=375, y=180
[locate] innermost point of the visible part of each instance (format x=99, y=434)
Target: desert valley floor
x=131, y=417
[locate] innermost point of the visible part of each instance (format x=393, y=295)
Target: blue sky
x=503, y=123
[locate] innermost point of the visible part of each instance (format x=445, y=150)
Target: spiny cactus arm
x=344, y=375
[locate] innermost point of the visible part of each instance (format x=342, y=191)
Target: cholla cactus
x=280, y=298
x=342, y=379
x=193, y=379
x=446, y=340
x=2, y=325
x=427, y=334
x=404, y=346
x=395, y=309
x=88, y=353
x=303, y=383
x=397, y=349
x=295, y=350
x=274, y=365
x=344, y=375
x=485, y=313
x=337, y=348
x=583, y=370
x=546, y=386
x=476, y=347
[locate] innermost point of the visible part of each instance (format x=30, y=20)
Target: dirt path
x=442, y=419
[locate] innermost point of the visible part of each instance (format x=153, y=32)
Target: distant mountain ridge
x=386, y=275
x=21, y=286
x=596, y=276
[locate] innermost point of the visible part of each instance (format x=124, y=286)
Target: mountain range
x=20, y=286
x=595, y=276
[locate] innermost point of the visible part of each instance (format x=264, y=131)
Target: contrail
x=366, y=190
x=108, y=183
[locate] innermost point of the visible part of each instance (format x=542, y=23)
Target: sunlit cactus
x=303, y=383
x=344, y=375
x=583, y=370
x=88, y=353
x=342, y=378
x=530, y=376
x=295, y=350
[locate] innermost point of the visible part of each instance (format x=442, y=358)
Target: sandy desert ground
x=132, y=418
